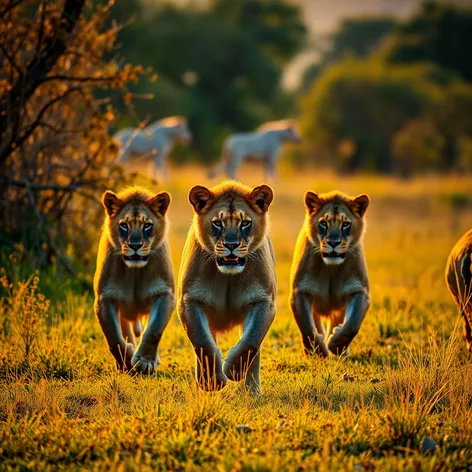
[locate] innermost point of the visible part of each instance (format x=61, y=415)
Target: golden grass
x=65, y=406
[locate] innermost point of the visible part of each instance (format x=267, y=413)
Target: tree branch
x=41, y=187
x=36, y=71
x=15, y=143
x=77, y=79
x=11, y=6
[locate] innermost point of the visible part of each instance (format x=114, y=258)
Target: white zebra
x=156, y=141
x=263, y=144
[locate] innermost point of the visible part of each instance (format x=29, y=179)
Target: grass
x=64, y=406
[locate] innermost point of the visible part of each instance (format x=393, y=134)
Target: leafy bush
x=365, y=102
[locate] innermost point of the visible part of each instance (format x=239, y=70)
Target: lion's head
x=335, y=223
x=231, y=222
x=135, y=223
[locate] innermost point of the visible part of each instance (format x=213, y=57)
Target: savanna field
x=63, y=405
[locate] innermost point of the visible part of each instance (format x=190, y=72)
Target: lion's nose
x=334, y=243
x=231, y=246
x=136, y=246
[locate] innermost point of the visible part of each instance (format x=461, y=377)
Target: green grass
x=64, y=406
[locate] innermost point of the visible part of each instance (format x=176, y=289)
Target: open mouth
x=231, y=261
x=135, y=257
x=333, y=255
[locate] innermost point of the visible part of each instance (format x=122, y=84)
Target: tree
x=359, y=37
x=274, y=25
x=51, y=45
x=55, y=152
x=451, y=114
x=438, y=33
x=363, y=103
x=417, y=147
x=354, y=38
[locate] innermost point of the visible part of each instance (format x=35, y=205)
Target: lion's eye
x=147, y=226
x=124, y=227
x=323, y=225
x=346, y=225
x=218, y=223
x=245, y=223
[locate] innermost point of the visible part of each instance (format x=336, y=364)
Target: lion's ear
x=111, y=203
x=313, y=202
x=159, y=203
x=360, y=204
x=201, y=198
x=261, y=198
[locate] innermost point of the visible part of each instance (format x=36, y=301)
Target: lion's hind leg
x=336, y=318
x=146, y=358
x=138, y=328
x=127, y=331
x=110, y=322
x=319, y=341
x=465, y=299
x=343, y=335
x=465, y=305
x=309, y=323
x=468, y=332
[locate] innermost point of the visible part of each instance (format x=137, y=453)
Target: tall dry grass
x=64, y=406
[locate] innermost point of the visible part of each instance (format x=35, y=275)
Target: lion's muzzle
x=135, y=255
x=333, y=257
x=231, y=261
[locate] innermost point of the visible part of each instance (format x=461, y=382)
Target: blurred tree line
x=393, y=97
x=220, y=66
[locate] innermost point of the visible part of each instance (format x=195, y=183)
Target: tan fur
x=213, y=298
x=329, y=273
x=128, y=290
x=459, y=282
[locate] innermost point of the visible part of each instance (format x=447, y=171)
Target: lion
x=329, y=273
x=459, y=282
x=134, y=278
x=227, y=278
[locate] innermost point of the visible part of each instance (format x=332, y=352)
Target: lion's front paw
x=238, y=362
x=144, y=365
x=339, y=342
